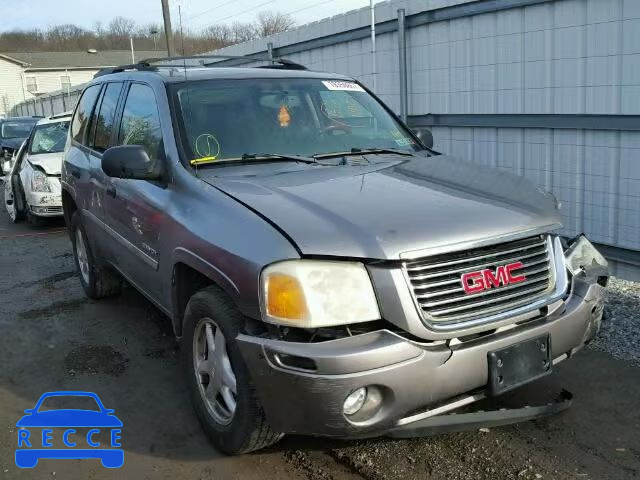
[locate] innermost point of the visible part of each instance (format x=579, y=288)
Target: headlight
x=314, y=293
x=39, y=182
x=582, y=256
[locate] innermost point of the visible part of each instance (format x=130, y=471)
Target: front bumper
x=46, y=204
x=302, y=386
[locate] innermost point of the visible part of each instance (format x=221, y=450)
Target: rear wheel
x=221, y=389
x=97, y=281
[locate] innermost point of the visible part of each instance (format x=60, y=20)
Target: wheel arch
x=69, y=206
x=190, y=274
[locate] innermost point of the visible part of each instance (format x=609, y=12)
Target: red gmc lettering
x=474, y=282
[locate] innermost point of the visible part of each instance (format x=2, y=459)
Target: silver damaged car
x=326, y=270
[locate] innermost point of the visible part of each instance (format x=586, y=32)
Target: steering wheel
x=336, y=128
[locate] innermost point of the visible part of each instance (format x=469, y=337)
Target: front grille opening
x=440, y=294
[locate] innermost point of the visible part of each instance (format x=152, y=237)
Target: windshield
x=16, y=129
x=49, y=138
x=224, y=119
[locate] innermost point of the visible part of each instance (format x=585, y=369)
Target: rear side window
x=83, y=113
x=106, y=116
x=140, y=121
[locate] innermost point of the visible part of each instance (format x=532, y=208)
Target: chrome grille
x=437, y=285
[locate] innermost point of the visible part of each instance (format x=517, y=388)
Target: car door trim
x=150, y=261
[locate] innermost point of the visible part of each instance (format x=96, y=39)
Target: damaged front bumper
x=46, y=204
x=303, y=386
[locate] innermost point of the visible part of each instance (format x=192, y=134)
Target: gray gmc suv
x=327, y=272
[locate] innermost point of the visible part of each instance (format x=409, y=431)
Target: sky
x=27, y=14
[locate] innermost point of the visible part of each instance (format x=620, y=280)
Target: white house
x=24, y=76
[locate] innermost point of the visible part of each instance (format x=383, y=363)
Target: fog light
x=354, y=402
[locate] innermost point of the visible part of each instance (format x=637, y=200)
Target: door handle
x=111, y=191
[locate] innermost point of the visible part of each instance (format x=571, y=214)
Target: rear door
x=80, y=161
x=101, y=136
x=134, y=209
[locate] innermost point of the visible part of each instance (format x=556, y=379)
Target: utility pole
x=166, y=15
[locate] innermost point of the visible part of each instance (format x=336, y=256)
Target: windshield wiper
x=251, y=157
x=363, y=151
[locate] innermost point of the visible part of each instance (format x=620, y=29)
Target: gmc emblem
x=474, y=282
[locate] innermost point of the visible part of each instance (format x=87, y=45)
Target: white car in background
x=32, y=186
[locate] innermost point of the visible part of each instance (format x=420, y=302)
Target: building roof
x=83, y=59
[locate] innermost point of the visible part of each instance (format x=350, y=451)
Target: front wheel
x=97, y=281
x=221, y=389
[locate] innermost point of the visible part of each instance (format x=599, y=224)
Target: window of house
x=32, y=84
x=65, y=82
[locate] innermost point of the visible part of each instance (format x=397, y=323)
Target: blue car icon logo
x=36, y=435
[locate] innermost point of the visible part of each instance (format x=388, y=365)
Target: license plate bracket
x=517, y=364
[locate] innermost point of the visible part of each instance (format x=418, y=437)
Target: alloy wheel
x=81, y=254
x=214, y=374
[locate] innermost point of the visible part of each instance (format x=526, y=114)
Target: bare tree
x=270, y=23
x=115, y=35
x=121, y=27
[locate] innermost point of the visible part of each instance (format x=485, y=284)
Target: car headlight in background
x=39, y=182
x=315, y=293
x=582, y=255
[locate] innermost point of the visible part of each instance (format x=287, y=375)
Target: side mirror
x=6, y=167
x=130, y=162
x=425, y=136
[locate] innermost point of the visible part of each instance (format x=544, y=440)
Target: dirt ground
x=53, y=338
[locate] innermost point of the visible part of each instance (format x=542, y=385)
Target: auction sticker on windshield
x=54, y=430
x=342, y=85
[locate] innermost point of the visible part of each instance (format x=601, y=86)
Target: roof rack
x=151, y=63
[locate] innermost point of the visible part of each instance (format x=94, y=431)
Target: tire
x=247, y=429
x=97, y=281
x=34, y=220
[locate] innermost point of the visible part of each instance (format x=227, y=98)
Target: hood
x=51, y=163
x=13, y=143
x=391, y=208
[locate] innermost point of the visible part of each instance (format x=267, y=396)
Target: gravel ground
x=620, y=332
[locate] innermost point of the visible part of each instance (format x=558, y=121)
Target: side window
x=140, y=121
x=83, y=113
x=105, y=118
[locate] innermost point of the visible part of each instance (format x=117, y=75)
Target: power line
x=211, y=9
x=245, y=11
x=309, y=7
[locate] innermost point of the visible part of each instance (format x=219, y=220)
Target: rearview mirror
x=425, y=136
x=130, y=162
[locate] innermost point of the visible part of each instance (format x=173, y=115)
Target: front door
x=134, y=209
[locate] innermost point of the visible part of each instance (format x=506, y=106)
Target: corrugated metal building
x=548, y=89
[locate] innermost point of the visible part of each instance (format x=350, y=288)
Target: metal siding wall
x=563, y=57
x=558, y=57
